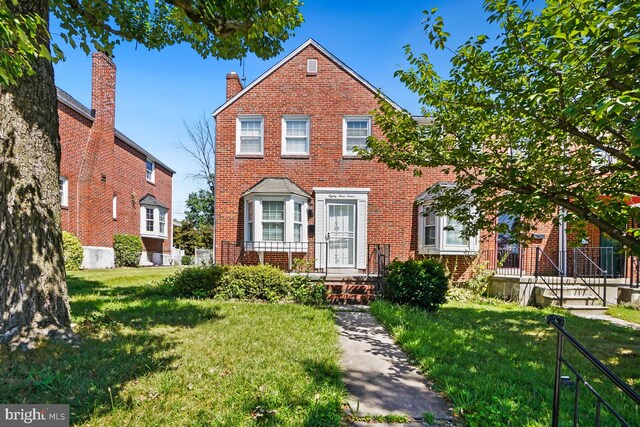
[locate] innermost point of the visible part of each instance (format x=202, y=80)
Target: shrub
x=420, y=283
x=305, y=291
x=195, y=282
x=73, y=253
x=186, y=260
x=127, y=249
x=256, y=282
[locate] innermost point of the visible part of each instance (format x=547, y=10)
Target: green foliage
x=547, y=115
x=186, y=260
x=188, y=237
x=308, y=292
x=73, y=253
x=220, y=29
x=255, y=283
x=199, y=209
x=419, y=283
x=196, y=282
x=127, y=249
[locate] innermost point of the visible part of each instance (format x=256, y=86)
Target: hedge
x=73, y=253
x=127, y=249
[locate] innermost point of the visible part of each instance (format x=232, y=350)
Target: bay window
x=153, y=222
x=272, y=219
x=442, y=235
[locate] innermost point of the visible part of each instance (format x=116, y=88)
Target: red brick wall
x=98, y=166
x=325, y=98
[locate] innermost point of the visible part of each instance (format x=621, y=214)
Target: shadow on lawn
x=118, y=345
x=497, y=364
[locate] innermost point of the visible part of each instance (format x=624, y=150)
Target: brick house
x=289, y=185
x=109, y=184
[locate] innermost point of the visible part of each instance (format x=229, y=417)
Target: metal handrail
x=592, y=262
x=561, y=275
x=603, y=298
x=558, y=322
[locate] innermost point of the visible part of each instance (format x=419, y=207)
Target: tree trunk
x=33, y=293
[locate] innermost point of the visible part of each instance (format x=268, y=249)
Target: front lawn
x=495, y=362
x=625, y=313
x=149, y=359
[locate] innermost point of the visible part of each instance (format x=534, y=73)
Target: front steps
x=348, y=289
x=576, y=298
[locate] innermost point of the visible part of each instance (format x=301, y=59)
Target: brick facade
x=100, y=163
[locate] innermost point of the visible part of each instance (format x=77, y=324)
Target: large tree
x=541, y=117
x=33, y=296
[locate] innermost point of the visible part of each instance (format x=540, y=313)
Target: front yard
x=149, y=359
x=495, y=362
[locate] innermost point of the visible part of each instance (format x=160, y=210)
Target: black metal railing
x=550, y=274
x=589, y=273
x=378, y=258
x=511, y=261
x=289, y=256
x=558, y=323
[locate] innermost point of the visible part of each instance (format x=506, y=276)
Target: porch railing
x=290, y=256
x=558, y=323
x=512, y=261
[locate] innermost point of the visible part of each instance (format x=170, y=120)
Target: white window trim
x=441, y=247
x=153, y=171
x=288, y=244
x=114, y=207
x=64, y=197
x=284, y=135
x=239, y=119
x=155, y=234
x=346, y=119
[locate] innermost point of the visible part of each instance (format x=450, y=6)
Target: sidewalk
x=610, y=319
x=378, y=375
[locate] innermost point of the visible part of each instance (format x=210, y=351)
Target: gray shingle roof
x=149, y=200
x=78, y=106
x=429, y=192
x=276, y=186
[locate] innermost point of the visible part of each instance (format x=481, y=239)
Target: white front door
x=341, y=234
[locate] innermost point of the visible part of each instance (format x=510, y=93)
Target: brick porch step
x=349, y=299
x=349, y=288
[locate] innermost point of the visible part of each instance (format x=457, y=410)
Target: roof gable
x=276, y=186
x=292, y=55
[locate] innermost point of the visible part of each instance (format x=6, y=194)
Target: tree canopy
x=223, y=29
x=544, y=115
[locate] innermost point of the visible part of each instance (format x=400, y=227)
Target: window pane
x=297, y=232
x=250, y=136
x=296, y=128
x=273, y=211
x=249, y=144
x=273, y=231
x=296, y=145
x=162, y=221
x=297, y=212
x=250, y=127
x=356, y=142
x=453, y=237
x=150, y=220
x=430, y=235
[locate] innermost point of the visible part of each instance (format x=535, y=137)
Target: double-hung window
x=295, y=135
x=429, y=229
x=64, y=191
x=151, y=171
x=297, y=222
x=250, y=135
x=150, y=221
x=162, y=222
x=356, y=130
x=273, y=221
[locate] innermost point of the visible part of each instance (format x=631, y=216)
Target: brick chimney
x=233, y=85
x=103, y=92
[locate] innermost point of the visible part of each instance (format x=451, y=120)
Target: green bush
x=419, y=283
x=195, y=282
x=305, y=291
x=256, y=282
x=73, y=253
x=186, y=260
x=127, y=249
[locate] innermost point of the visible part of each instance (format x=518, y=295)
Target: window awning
x=149, y=200
x=435, y=189
x=276, y=186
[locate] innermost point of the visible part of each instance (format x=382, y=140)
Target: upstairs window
x=356, y=130
x=250, y=135
x=151, y=171
x=64, y=191
x=295, y=135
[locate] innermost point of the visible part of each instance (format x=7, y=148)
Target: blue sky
x=156, y=91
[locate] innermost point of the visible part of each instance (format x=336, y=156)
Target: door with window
x=341, y=235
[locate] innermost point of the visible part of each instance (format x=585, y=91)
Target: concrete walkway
x=378, y=375
x=610, y=319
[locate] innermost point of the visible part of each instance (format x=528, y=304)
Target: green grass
x=495, y=362
x=625, y=313
x=149, y=359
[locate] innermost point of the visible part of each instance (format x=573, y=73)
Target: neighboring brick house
x=288, y=183
x=110, y=185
